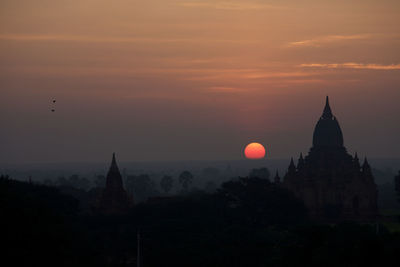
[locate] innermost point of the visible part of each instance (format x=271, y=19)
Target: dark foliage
x=186, y=179
x=258, y=202
x=140, y=186
x=167, y=183
x=262, y=173
x=38, y=226
x=248, y=222
x=397, y=185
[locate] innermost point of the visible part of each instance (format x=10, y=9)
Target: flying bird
x=54, y=101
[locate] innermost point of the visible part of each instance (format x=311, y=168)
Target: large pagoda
x=332, y=183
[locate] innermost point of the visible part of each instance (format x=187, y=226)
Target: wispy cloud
x=108, y=39
x=265, y=74
x=248, y=75
x=225, y=89
x=219, y=80
x=225, y=5
x=323, y=40
x=352, y=65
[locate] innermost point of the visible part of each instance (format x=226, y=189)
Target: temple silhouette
x=332, y=183
x=114, y=198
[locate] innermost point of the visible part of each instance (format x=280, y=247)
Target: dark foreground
x=253, y=225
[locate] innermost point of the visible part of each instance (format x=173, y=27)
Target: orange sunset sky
x=175, y=80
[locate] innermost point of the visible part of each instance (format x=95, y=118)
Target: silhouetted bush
x=248, y=222
x=256, y=201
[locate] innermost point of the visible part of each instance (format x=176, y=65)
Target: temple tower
x=331, y=182
x=114, y=199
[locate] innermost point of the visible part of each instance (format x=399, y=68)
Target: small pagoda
x=114, y=199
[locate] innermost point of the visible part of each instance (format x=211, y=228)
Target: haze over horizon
x=198, y=80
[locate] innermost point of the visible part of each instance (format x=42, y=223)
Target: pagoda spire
x=292, y=167
x=113, y=162
x=300, y=163
x=291, y=163
x=365, y=167
x=114, y=178
x=366, y=164
x=327, y=132
x=277, y=179
x=327, y=114
x=114, y=198
x=356, y=162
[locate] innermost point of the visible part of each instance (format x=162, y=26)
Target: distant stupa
x=331, y=182
x=114, y=198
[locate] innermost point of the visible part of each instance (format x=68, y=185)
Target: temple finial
x=356, y=162
x=114, y=162
x=327, y=114
x=366, y=168
x=292, y=167
x=277, y=179
x=366, y=164
x=300, y=163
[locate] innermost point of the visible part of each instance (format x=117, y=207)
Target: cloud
x=265, y=74
x=108, y=39
x=245, y=75
x=225, y=89
x=225, y=5
x=352, y=65
x=322, y=40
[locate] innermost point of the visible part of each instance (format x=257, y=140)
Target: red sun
x=254, y=151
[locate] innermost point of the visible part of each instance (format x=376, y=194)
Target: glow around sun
x=254, y=151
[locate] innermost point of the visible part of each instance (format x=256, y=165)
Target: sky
x=195, y=80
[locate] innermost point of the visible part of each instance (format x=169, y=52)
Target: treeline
x=247, y=221
x=141, y=187
x=39, y=227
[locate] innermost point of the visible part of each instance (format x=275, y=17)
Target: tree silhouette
x=166, y=183
x=100, y=181
x=141, y=186
x=185, y=179
x=262, y=173
x=74, y=181
x=210, y=187
x=257, y=201
x=48, y=182
x=210, y=172
x=62, y=181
